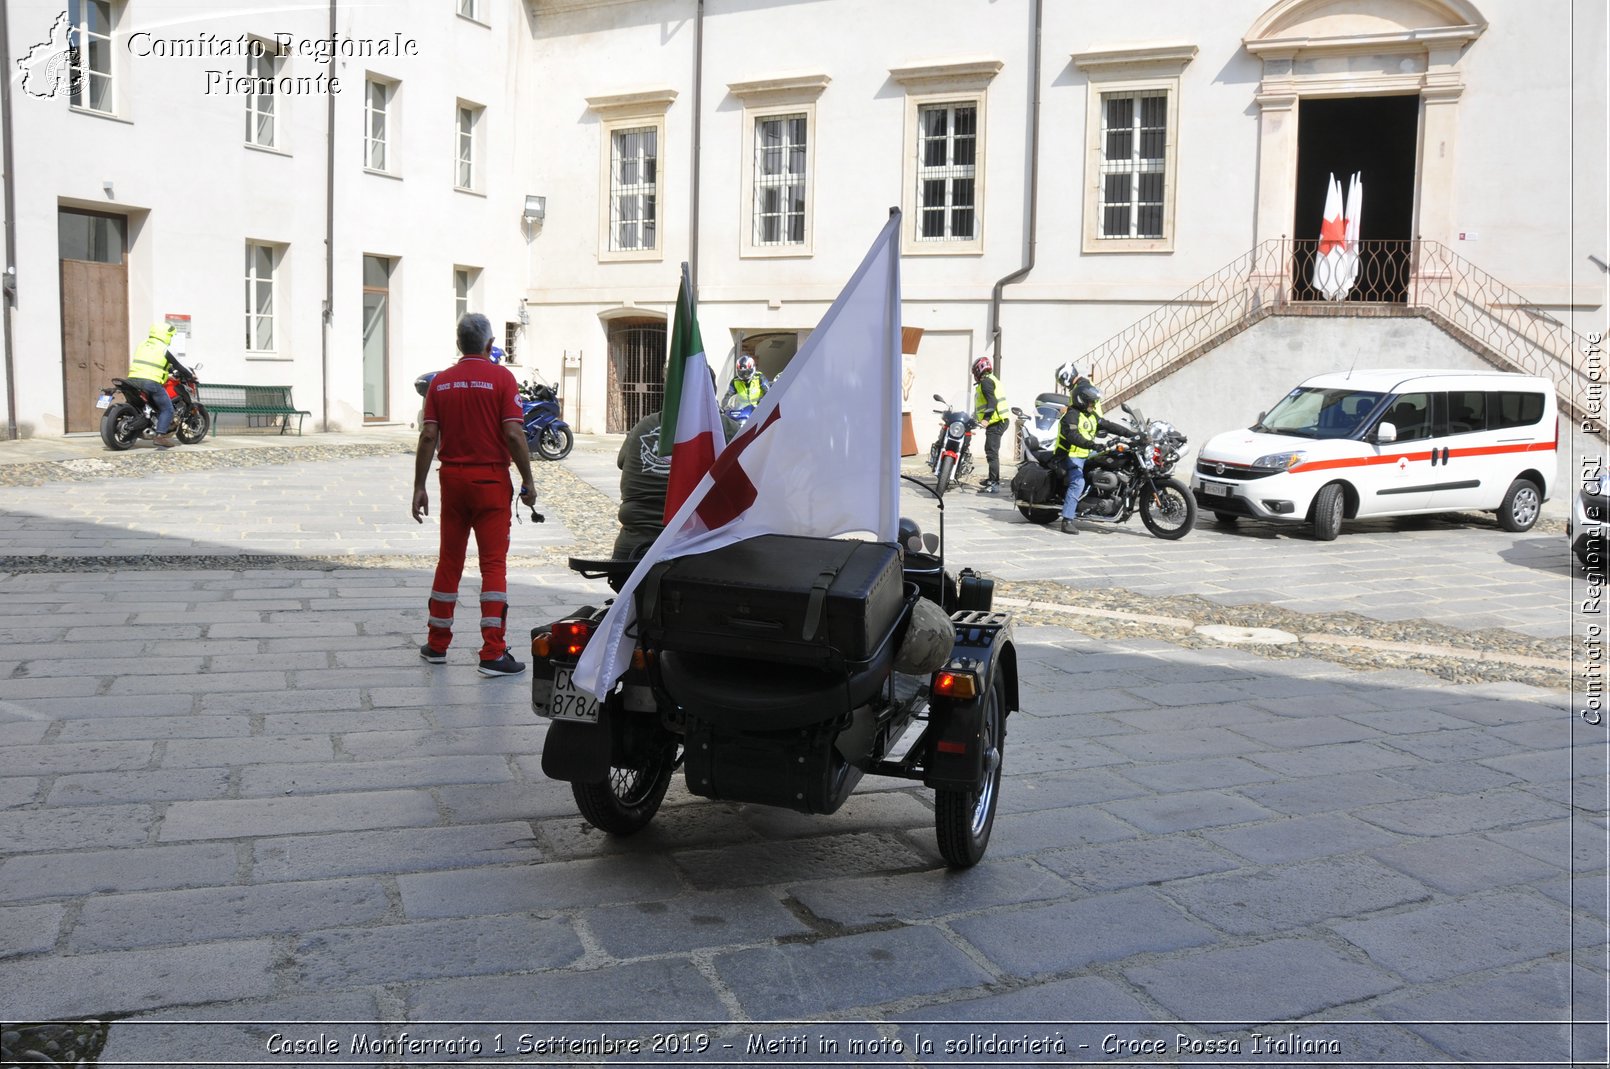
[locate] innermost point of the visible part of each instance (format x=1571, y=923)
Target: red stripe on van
x=1364, y=462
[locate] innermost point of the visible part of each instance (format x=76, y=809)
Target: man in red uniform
x=472, y=411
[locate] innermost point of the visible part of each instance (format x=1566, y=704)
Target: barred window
x=1134, y=136
x=633, y=189
x=947, y=152
x=780, y=177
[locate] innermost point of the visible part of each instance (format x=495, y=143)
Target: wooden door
x=95, y=336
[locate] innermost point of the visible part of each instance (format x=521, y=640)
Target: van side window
x=1467, y=411
x=1410, y=414
x=1513, y=409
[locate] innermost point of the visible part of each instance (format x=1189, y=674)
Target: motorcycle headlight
x=1280, y=461
x=957, y=428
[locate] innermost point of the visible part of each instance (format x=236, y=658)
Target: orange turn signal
x=639, y=659
x=541, y=645
x=955, y=685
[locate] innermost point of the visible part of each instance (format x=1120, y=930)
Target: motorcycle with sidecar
x=775, y=671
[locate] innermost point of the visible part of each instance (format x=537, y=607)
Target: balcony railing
x=1393, y=278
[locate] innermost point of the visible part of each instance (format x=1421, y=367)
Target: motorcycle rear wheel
x=624, y=803
x=554, y=443
x=1172, y=514
x=964, y=817
x=193, y=428
x=116, y=426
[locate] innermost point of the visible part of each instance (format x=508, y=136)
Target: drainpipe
x=698, y=123
x=1034, y=189
x=9, y=299
x=329, y=240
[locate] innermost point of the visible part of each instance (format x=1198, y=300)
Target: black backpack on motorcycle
x=1032, y=483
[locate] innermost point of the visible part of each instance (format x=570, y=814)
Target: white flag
x=819, y=457
x=1332, y=239
x=1353, y=207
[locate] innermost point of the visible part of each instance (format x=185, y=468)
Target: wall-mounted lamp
x=536, y=209
x=107, y=187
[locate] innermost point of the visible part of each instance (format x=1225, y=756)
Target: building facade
x=1065, y=172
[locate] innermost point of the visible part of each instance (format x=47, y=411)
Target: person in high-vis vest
x=1076, y=440
x=989, y=408
x=747, y=387
x=148, y=370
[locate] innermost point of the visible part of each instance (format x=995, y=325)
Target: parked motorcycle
x=1048, y=409
x=135, y=417
x=739, y=415
x=784, y=692
x=546, y=431
x=950, y=458
x=1121, y=479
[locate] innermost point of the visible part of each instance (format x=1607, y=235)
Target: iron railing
x=1393, y=278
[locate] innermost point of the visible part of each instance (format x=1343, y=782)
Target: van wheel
x=1226, y=519
x=1328, y=505
x=1522, y=506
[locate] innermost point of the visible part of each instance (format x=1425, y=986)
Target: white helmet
x=1067, y=375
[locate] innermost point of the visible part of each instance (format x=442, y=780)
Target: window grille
x=259, y=298
x=377, y=98
x=263, y=67
x=89, y=42
x=511, y=334
x=780, y=180
x=947, y=151
x=633, y=184
x=466, y=147
x=1134, y=134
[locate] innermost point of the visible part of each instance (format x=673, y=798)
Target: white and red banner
x=1336, y=263
x=819, y=457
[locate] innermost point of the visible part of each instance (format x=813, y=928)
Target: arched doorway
x=636, y=371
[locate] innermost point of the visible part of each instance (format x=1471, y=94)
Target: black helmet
x=910, y=536
x=1085, y=396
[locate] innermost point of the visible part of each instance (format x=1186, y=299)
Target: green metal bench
x=271, y=404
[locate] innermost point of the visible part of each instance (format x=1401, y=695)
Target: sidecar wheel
x=117, y=426
x=554, y=443
x=193, y=428
x=1040, y=516
x=1174, y=512
x=963, y=819
x=624, y=803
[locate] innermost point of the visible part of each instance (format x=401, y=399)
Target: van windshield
x=1309, y=412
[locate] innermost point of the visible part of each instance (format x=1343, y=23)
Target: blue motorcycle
x=546, y=431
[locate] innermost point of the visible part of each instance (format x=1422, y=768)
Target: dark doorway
x=1375, y=135
x=636, y=371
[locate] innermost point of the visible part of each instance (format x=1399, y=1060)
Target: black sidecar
x=766, y=671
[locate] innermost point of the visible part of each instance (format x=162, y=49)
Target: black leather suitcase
x=822, y=602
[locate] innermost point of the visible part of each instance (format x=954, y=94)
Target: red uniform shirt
x=470, y=402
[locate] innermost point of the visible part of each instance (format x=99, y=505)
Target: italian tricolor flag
x=690, y=422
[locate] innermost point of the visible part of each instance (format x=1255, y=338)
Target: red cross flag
x=820, y=456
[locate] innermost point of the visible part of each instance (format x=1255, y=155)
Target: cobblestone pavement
x=235, y=806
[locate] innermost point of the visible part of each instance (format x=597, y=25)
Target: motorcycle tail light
x=955, y=685
x=570, y=637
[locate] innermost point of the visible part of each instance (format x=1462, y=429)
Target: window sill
x=942, y=248
x=472, y=19
x=92, y=113
x=777, y=252
x=469, y=191
x=383, y=174
x=269, y=358
x=630, y=256
x=272, y=150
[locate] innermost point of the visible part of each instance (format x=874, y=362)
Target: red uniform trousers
x=474, y=498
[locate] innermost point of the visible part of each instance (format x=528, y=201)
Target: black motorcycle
x=786, y=690
x=1121, y=479
x=950, y=458
x=125, y=422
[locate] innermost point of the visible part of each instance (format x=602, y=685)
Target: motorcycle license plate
x=104, y=401
x=1216, y=489
x=570, y=703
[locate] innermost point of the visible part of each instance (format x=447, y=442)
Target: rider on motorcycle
x=1076, y=440
x=148, y=371
x=747, y=387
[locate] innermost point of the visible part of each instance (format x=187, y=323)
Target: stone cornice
x=975, y=72
x=780, y=89
x=1422, y=40
x=1168, y=59
x=636, y=102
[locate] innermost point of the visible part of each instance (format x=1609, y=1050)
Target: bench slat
x=251, y=400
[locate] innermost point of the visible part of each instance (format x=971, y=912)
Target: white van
x=1388, y=443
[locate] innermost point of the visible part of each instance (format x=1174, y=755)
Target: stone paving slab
x=253, y=803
